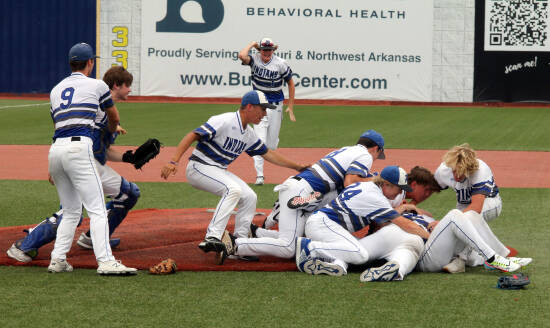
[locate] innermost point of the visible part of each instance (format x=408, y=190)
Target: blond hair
x=462, y=160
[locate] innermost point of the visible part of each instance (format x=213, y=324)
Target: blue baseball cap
x=397, y=176
x=377, y=139
x=81, y=52
x=256, y=97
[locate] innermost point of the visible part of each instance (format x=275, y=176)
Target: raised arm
x=243, y=54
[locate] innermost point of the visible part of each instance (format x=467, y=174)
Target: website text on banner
x=357, y=49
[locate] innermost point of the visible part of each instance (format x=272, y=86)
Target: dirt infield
x=515, y=169
x=144, y=244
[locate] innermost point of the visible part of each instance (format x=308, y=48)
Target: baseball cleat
x=259, y=181
x=387, y=272
x=503, y=264
x=457, y=265
x=315, y=266
x=301, y=202
x=114, y=267
x=248, y=258
x=17, y=254
x=210, y=244
x=302, y=252
x=59, y=265
x=228, y=242
x=273, y=217
x=523, y=261
x=86, y=242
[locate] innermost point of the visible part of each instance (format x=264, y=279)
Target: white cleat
x=503, y=264
x=457, y=265
x=316, y=266
x=59, y=265
x=387, y=272
x=114, y=267
x=523, y=261
x=259, y=181
x=17, y=254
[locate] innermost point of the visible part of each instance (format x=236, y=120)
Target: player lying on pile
x=474, y=184
x=329, y=245
x=308, y=191
x=123, y=194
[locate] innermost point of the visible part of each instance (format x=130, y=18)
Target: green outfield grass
x=491, y=128
x=31, y=297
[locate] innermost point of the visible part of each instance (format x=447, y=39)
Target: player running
x=268, y=74
x=123, y=194
x=220, y=141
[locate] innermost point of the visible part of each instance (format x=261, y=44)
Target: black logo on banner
x=175, y=20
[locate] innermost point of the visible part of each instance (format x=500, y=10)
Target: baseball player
x=123, y=194
x=474, y=184
x=220, y=141
x=330, y=246
x=268, y=73
x=308, y=191
x=391, y=243
x=75, y=104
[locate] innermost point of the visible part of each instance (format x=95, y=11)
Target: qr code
x=518, y=22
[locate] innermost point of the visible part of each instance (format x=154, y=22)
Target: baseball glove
x=143, y=154
x=515, y=281
x=165, y=267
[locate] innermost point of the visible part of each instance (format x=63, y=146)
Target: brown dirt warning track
x=144, y=244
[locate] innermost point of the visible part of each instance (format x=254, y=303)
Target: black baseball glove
x=143, y=154
x=514, y=281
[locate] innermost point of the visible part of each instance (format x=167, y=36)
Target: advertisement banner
x=355, y=49
x=512, y=52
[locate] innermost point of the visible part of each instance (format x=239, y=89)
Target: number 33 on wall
x=120, y=42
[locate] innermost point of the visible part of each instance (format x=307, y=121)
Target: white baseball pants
x=233, y=192
x=291, y=225
x=110, y=180
x=451, y=235
x=332, y=242
x=268, y=131
x=73, y=169
x=394, y=244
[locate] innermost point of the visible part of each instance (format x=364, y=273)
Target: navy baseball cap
x=267, y=44
x=81, y=52
x=397, y=176
x=256, y=97
x=377, y=139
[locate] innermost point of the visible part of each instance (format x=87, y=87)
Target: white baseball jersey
x=481, y=182
x=223, y=139
x=269, y=77
x=75, y=102
x=358, y=205
x=329, y=172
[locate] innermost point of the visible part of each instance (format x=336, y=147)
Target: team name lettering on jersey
x=234, y=145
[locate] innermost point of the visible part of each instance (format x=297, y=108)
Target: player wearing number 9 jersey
x=75, y=103
x=330, y=245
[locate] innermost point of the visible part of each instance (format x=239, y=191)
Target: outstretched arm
x=185, y=143
x=476, y=204
x=280, y=160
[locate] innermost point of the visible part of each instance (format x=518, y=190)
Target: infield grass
x=31, y=297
